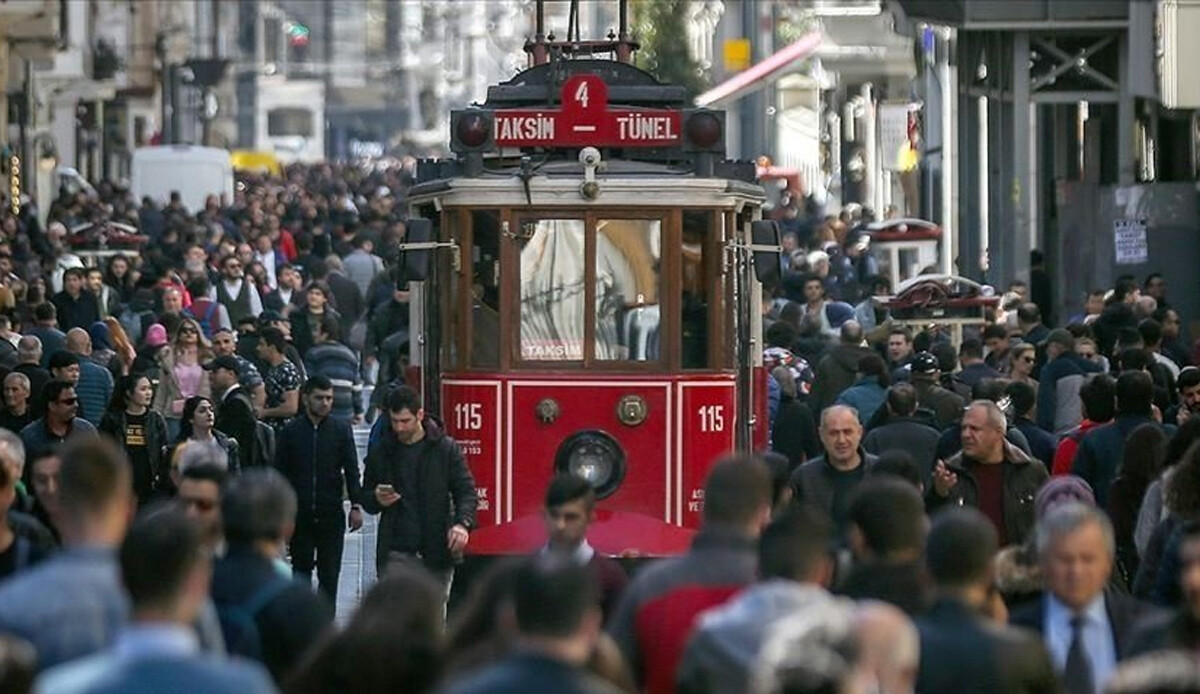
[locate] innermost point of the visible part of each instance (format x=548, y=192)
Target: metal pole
x=949, y=151
x=871, y=173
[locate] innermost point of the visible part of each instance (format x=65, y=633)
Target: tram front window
x=628, y=256
x=552, y=290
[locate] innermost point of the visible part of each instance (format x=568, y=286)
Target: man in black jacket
x=904, y=431
x=961, y=651
x=235, y=413
x=316, y=453
x=827, y=481
x=887, y=538
x=417, y=479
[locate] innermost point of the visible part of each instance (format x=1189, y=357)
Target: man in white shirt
x=239, y=297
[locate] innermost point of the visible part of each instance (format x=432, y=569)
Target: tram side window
x=553, y=310
x=628, y=316
x=695, y=300
x=485, y=289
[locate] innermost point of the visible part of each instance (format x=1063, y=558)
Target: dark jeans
x=324, y=535
x=404, y=560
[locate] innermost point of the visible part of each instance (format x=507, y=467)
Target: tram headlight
x=704, y=131
x=593, y=456
x=471, y=130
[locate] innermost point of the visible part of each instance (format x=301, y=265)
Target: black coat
x=814, y=483
x=963, y=652
x=113, y=424
x=288, y=625
x=320, y=461
x=912, y=436
x=902, y=584
x=1124, y=613
x=447, y=492
x=795, y=434
x=235, y=418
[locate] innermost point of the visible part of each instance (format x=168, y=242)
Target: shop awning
x=758, y=76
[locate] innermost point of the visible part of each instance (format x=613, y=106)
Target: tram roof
x=623, y=184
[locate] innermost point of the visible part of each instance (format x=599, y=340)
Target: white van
x=196, y=172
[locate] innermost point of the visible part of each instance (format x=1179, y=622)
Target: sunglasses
x=186, y=331
x=1088, y=355
x=1028, y=360
x=68, y=402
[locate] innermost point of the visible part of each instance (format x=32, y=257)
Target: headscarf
x=101, y=338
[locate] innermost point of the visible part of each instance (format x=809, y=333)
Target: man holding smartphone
x=417, y=479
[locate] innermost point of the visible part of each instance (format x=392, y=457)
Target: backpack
x=206, y=320
x=238, y=622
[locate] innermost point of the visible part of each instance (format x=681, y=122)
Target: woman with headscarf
x=102, y=351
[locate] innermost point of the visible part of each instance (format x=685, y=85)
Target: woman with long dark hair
x=121, y=276
x=197, y=424
x=1152, y=511
x=1181, y=499
x=1145, y=451
x=140, y=431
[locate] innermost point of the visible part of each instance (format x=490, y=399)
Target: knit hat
x=156, y=336
x=1060, y=490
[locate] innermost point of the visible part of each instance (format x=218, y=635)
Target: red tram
x=589, y=271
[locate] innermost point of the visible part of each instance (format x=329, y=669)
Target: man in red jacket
x=1099, y=397
x=655, y=616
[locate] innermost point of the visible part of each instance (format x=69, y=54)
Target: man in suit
x=166, y=573
x=961, y=649
x=235, y=414
x=1086, y=628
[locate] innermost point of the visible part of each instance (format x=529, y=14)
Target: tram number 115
x=468, y=416
x=712, y=418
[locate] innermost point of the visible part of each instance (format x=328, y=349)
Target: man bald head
x=79, y=342
x=29, y=350
x=890, y=646
x=841, y=434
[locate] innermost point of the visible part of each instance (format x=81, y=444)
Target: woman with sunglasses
x=140, y=431
x=182, y=373
x=1020, y=364
x=198, y=426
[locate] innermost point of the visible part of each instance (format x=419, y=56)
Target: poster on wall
x=1129, y=241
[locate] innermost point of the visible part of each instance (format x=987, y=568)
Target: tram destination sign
x=585, y=120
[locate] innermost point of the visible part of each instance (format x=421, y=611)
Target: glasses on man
x=68, y=401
